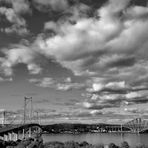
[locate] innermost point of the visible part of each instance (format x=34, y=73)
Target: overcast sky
x=80, y=60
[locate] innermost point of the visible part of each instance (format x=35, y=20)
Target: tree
x=124, y=145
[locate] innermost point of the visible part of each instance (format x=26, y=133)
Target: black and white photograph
x=73, y=73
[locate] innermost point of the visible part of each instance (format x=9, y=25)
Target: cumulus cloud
x=132, y=95
x=114, y=94
x=19, y=6
x=119, y=87
x=13, y=15
x=94, y=45
x=5, y=79
x=18, y=55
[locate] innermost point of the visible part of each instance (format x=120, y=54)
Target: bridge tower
x=28, y=110
x=4, y=118
x=37, y=118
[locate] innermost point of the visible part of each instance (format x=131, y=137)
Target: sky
x=81, y=61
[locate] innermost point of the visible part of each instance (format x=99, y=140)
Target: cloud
x=86, y=114
x=109, y=87
x=68, y=80
x=101, y=102
x=13, y=15
x=97, y=87
x=14, y=56
x=70, y=86
x=114, y=95
x=45, y=5
x=132, y=95
x=19, y=6
x=95, y=45
x=5, y=79
x=52, y=83
x=33, y=68
x=134, y=110
x=45, y=82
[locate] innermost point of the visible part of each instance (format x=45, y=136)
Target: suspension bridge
x=25, y=129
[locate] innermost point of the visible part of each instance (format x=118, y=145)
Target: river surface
x=100, y=138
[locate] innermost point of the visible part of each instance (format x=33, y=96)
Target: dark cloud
x=115, y=91
x=123, y=62
x=139, y=100
x=46, y=5
x=138, y=3
x=102, y=106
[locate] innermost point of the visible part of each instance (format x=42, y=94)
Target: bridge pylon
x=28, y=110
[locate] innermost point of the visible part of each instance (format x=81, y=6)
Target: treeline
x=72, y=144
x=31, y=143
x=79, y=128
x=36, y=142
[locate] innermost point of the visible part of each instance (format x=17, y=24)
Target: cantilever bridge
x=137, y=125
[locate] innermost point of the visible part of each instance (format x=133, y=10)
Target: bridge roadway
x=6, y=133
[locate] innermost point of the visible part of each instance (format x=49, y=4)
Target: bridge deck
x=16, y=128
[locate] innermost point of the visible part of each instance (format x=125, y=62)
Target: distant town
x=83, y=128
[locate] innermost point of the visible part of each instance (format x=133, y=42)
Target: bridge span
x=15, y=132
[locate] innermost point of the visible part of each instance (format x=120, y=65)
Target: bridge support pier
x=19, y=135
x=1, y=137
x=5, y=137
x=30, y=133
x=14, y=136
x=10, y=136
x=23, y=135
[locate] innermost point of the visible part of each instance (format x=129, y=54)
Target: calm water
x=100, y=138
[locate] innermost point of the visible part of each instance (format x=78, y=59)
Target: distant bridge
x=137, y=125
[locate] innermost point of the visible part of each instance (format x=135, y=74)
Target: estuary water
x=100, y=138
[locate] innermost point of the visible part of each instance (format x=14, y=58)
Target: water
x=100, y=138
